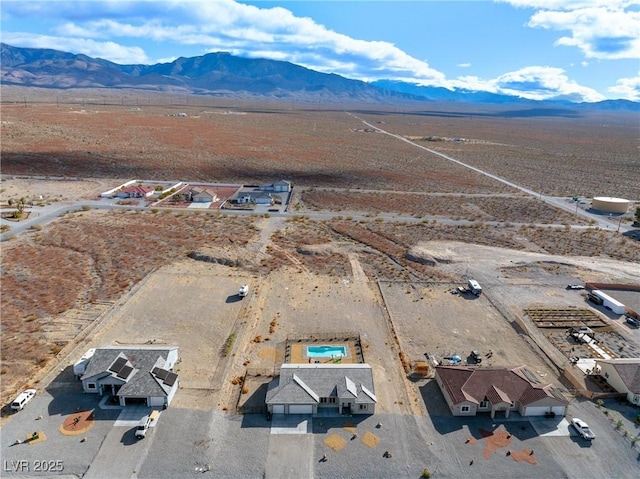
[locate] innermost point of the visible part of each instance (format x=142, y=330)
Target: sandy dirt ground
x=194, y=305
x=52, y=191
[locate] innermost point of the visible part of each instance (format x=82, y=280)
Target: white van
x=21, y=401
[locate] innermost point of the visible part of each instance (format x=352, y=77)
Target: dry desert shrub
x=561, y=151
x=482, y=208
x=311, y=147
x=87, y=257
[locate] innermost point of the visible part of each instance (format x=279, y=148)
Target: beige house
x=333, y=389
x=472, y=390
x=623, y=375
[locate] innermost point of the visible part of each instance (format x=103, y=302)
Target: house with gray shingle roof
x=281, y=186
x=314, y=388
x=472, y=390
x=623, y=375
x=133, y=375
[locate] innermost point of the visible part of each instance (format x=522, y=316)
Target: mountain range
x=224, y=74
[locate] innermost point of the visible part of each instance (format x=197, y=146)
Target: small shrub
x=619, y=424
x=86, y=207
x=426, y=473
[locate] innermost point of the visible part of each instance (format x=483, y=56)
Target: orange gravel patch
x=335, y=442
x=494, y=441
x=370, y=439
x=77, y=423
x=349, y=427
x=40, y=438
x=525, y=455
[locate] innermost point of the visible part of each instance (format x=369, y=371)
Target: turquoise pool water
x=326, y=351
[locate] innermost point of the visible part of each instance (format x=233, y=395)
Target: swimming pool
x=326, y=351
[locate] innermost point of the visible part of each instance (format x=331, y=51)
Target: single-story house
x=470, y=390
x=257, y=197
x=134, y=375
x=307, y=388
x=281, y=186
x=195, y=195
x=134, y=191
x=623, y=375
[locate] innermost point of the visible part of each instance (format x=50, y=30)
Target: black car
x=632, y=321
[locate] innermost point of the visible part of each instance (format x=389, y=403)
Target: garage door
x=536, y=411
x=559, y=410
x=301, y=409
x=278, y=409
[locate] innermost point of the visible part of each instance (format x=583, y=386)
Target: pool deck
x=299, y=352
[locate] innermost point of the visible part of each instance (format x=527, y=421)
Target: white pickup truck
x=583, y=429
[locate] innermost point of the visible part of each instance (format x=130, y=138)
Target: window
x=330, y=400
x=465, y=408
x=362, y=407
x=484, y=404
x=91, y=385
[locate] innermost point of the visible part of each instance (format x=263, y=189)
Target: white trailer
x=609, y=302
x=474, y=287
x=81, y=366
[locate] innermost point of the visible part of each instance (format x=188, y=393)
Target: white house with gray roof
x=134, y=375
x=309, y=388
x=622, y=374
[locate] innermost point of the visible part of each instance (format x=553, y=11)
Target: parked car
x=476, y=356
x=243, y=291
x=145, y=423
x=632, y=321
x=583, y=429
x=22, y=399
x=575, y=286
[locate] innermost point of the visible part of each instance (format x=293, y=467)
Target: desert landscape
x=376, y=236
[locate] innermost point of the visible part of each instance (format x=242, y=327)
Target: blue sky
x=581, y=50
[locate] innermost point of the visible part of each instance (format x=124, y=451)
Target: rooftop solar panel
x=155, y=370
x=161, y=373
x=117, y=365
x=124, y=372
x=171, y=379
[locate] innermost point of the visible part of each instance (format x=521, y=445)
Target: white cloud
x=603, y=29
x=250, y=31
x=464, y=65
x=627, y=88
x=106, y=49
x=534, y=83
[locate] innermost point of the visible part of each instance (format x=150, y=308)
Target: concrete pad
x=131, y=415
x=550, y=427
x=199, y=205
x=291, y=424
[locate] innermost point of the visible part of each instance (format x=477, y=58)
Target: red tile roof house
x=469, y=391
x=134, y=191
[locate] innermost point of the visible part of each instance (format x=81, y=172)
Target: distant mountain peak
x=222, y=73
